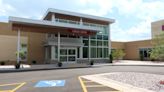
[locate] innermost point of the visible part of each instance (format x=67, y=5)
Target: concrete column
x=109, y=40
x=46, y=53
x=18, y=47
x=53, y=17
x=89, y=49
x=58, y=46
x=81, y=48
x=81, y=21
x=52, y=52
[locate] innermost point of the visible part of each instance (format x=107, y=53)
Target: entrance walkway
x=132, y=63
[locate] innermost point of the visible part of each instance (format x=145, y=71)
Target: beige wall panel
x=132, y=48
x=8, y=47
x=118, y=45
x=35, y=44
x=156, y=27
x=36, y=47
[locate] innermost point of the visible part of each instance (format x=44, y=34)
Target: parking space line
x=95, y=86
x=82, y=85
x=87, y=81
x=91, y=86
x=6, y=91
x=18, y=87
x=107, y=91
x=11, y=84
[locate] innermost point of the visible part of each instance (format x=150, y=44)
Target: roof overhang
x=45, y=26
x=51, y=10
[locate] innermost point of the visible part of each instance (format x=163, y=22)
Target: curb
x=129, y=65
x=28, y=70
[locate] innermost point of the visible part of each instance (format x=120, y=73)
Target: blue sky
x=133, y=17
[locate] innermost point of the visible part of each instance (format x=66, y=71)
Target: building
x=68, y=37
x=60, y=36
x=137, y=50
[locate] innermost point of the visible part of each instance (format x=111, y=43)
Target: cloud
x=5, y=8
x=133, y=17
x=96, y=7
x=136, y=32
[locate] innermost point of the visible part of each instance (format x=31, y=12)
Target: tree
x=22, y=54
x=157, y=52
x=118, y=54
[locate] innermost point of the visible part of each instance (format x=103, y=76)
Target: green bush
x=118, y=54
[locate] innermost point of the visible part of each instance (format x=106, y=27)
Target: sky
x=132, y=17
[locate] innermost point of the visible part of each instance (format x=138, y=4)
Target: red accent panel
x=162, y=27
x=81, y=32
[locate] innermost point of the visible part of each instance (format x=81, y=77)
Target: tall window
x=98, y=45
x=144, y=53
x=85, y=52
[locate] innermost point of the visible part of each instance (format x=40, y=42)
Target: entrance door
x=68, y=54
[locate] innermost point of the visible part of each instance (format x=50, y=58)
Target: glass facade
x=144, y=53
x=99, y=45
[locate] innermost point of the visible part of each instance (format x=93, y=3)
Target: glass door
x=68, y=54
x=71, y=55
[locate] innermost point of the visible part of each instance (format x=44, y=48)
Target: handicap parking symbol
x=50, y=83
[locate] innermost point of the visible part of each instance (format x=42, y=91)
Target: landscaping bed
x=141, y=80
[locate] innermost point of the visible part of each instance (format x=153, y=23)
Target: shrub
x=118, y=54
x=91, y=62
x=60, y=64
x=2, y=63
x=17, y=65
x=34, y=62
x=110, y=58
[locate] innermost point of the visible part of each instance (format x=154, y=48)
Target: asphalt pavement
x=61, y=80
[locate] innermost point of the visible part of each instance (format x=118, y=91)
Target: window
x=99, y=52
x=99, y=43
x=105, y=52
x=106, y=43
x=63, y=36
x=99, y=37
x=63, y=58
x=93, y=43
x=71, y=52
x=93, y=37
x=85, y=42
x=78, y=52
x=93, y=52
x=105, y=37
x=85, y=52
x=63, y=51
x=144, y=53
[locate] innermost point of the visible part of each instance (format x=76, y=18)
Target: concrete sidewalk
x=11, y=68
x=132, y=63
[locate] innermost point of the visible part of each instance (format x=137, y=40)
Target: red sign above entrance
x=81, y=32
x=162, y=27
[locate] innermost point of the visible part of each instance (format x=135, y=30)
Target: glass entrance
x=68, y=54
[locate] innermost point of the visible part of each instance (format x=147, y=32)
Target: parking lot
x=65, y=80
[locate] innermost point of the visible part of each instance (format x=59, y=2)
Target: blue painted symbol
x=50, y=83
